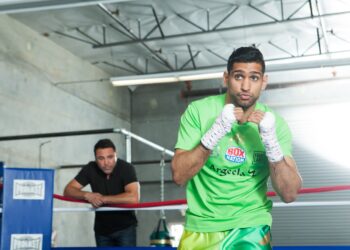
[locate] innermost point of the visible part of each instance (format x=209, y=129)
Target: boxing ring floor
x=172, y=248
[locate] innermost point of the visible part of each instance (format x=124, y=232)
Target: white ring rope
x=182, y=207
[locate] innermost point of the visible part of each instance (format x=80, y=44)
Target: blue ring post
x=27, y=208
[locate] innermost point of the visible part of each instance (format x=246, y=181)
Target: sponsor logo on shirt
x=237, y=172
x=259, y=157
x=235, y=154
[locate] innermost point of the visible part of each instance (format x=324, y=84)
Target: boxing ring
x=27, y=202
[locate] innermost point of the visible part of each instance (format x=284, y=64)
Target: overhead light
x=203, y=76
x=135, y=80
x=167, y=77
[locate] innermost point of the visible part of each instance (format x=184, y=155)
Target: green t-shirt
x=230, y=190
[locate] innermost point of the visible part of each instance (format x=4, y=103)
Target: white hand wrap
x=221, y=127
x=269, y=138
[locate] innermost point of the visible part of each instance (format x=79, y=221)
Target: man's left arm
x=285, y=178
x=284, y=174
x=131, y=195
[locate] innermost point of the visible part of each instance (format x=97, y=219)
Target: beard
x=244, y=104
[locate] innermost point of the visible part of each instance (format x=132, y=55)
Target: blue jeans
x=123, y=238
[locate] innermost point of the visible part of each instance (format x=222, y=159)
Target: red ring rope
x=183, y=201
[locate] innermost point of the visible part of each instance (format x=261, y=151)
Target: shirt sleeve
x=83, y=176
x=129, y=174
x=189, y=134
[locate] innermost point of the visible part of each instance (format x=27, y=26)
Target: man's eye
x=255, y=78
x=238, y=77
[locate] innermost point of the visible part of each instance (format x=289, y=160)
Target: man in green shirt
x=227, y=148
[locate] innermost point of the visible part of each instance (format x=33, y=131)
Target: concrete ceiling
x=153, y=36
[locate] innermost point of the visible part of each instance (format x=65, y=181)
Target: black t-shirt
x=107, y=222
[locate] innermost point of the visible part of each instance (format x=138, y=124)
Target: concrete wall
x=155, y=116
x=44, y=88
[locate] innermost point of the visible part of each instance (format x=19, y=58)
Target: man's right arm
x=73, y=190
x=186, y=164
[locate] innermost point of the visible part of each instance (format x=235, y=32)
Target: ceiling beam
x=341, y=58
x=318, y=62
x=134, y=37
x=157, y=21
x=191, y=56
x=30, y=6
x=73, y=37
x=204, y=32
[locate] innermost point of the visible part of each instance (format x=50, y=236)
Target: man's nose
x=245, y=84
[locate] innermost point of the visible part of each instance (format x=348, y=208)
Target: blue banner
x=27, y=208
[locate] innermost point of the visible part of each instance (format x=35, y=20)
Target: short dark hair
x=246, y=55
x=104, y=143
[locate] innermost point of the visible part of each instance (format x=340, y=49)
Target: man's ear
x=264, y=84
x=225, y=77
